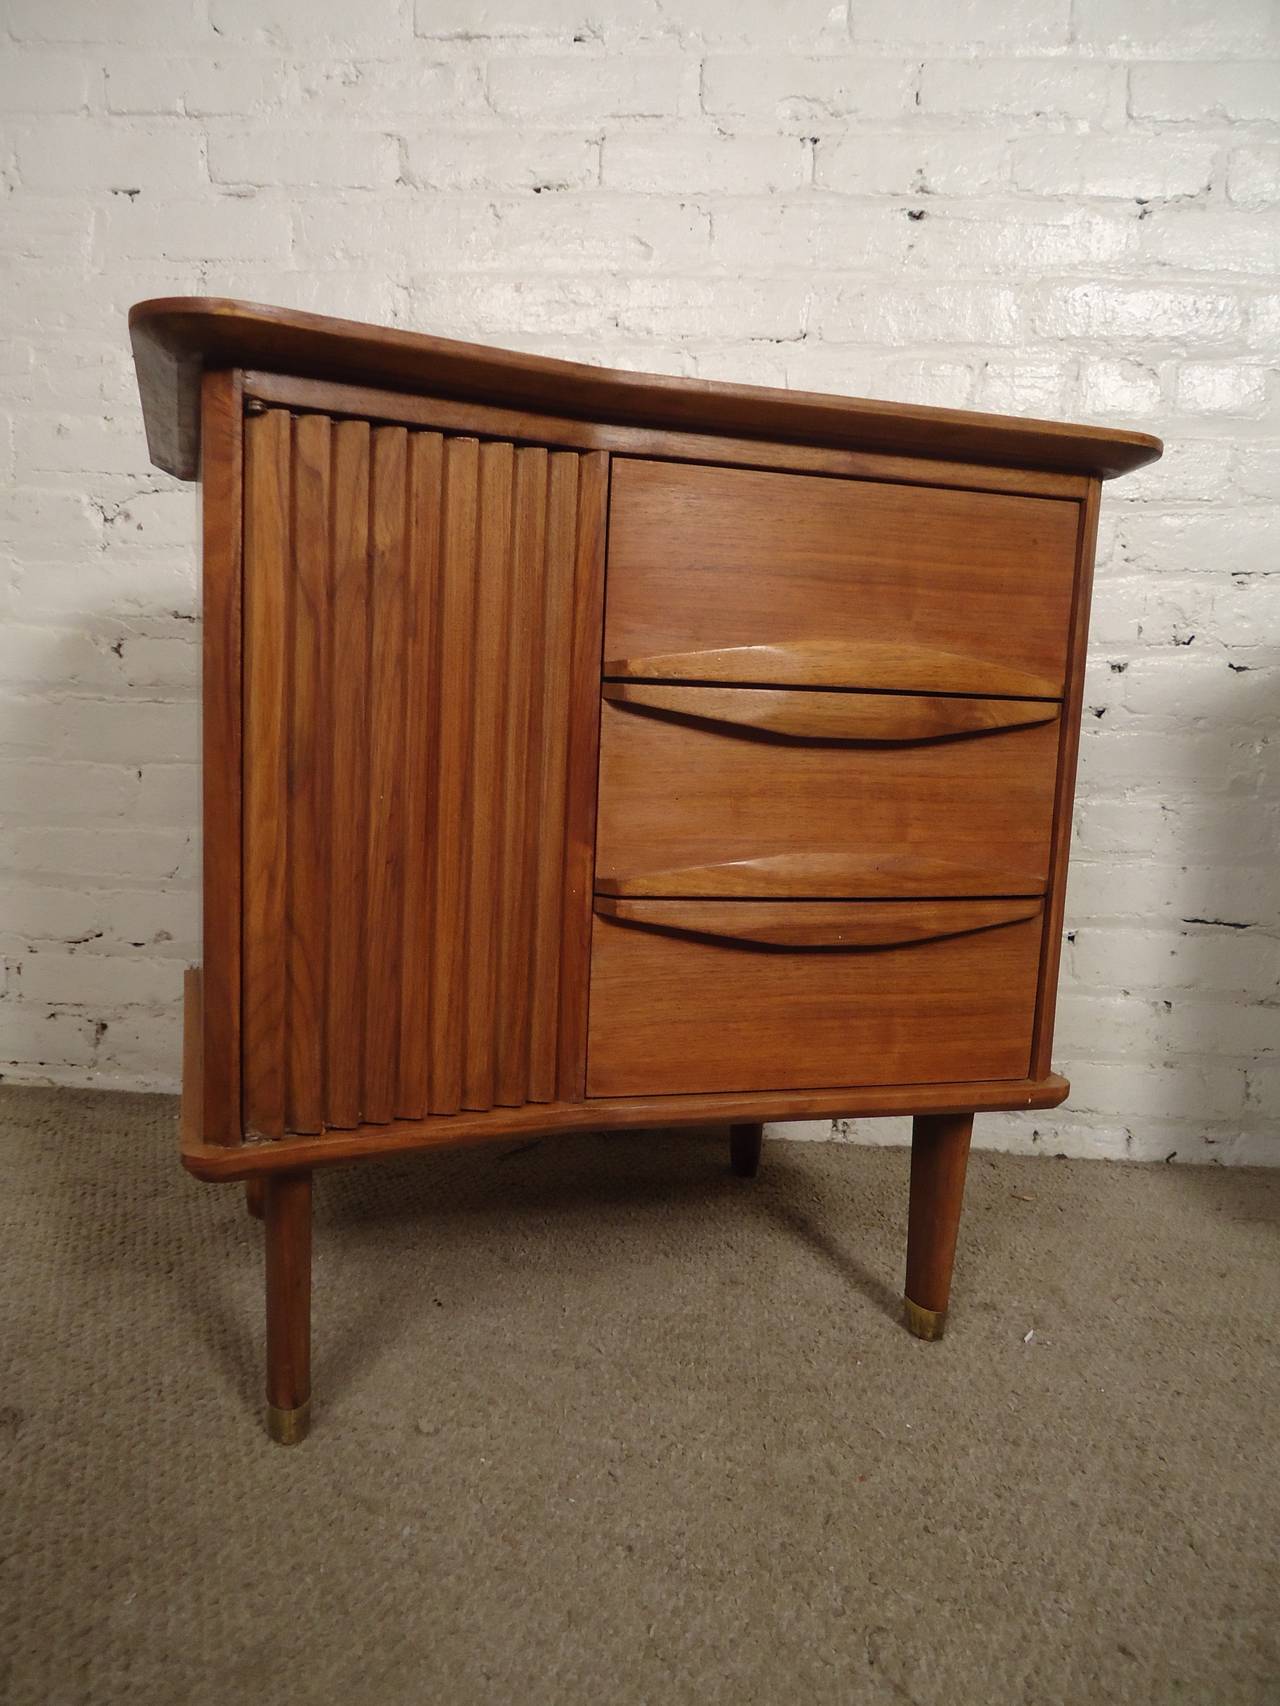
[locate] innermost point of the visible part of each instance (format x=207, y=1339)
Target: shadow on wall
x=1220, y=1031
x=1169, y=1014
x=100, y=731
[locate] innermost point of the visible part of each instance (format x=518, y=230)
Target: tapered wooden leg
x=744, y=1149
x=939, y=1156
x=255, y=1197
x=288, y=1241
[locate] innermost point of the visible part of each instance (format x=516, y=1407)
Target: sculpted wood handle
x=796, y=715
x=856, y=924
x=895, y=873
x=902, y=666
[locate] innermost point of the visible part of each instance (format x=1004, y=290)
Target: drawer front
x=726, y=574
x=698, y=996
x=730, y=791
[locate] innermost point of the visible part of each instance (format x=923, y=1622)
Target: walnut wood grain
x=452, y=735
x=844, y=925
x=879, y=586
x=552, y=773
x=687, y=808
x=349, y=776
x=309, y=810
x=489, y=690
x=816, y=874
x=383, y=812
x=516, y=898
x=422, y=642
x=678, y=1013
x=868, y=718
x=175, y=337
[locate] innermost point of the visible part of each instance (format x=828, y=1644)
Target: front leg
x=288, y=1251
x=939, y=1156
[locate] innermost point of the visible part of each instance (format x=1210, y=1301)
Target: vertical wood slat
x=583, y=724
x=557, y=640
x=416, y=644
x=518, y=865
x=267, y=578
x=489, y=695
x=452, y=734
x=308, y=774
x=388, y=535
x=349, y=650
x=426, y=473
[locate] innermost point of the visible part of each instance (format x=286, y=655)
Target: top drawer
x=724, y=574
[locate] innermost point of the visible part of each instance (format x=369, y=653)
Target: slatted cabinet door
x=409, y=770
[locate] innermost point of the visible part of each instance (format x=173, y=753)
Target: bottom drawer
x=690, y=996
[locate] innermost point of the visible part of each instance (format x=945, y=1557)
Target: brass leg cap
x=289, y=1427
x=924, y=1323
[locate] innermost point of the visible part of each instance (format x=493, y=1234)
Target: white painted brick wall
x=1063, y=207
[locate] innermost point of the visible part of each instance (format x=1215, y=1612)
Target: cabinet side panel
x=268, y=578
x=222, y=494
x=1064, y=796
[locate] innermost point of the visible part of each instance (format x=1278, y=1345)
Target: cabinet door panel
x=409, y=644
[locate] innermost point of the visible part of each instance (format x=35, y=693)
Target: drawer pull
x=841, y=663
x=847, y=925
x=902, y=872
x=870, y=718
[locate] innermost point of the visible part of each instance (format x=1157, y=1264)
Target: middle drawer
x=708, y=791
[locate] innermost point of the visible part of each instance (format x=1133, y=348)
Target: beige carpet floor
x=597, y=1422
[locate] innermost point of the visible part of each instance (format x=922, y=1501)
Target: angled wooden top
x=176, y=337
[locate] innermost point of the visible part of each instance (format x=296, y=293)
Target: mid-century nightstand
x=593, y=749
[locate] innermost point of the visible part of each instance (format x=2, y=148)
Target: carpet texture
x=597, y=1422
